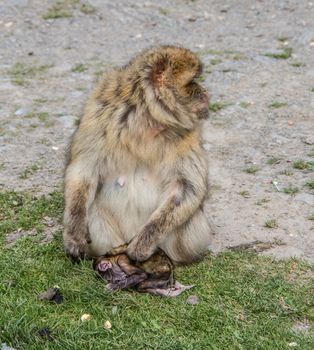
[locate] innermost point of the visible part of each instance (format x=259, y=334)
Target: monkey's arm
x=184, y=198
x=81, y=181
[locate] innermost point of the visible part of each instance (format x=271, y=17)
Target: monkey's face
x=196, y=98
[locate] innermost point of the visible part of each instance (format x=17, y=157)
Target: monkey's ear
x=161, y=71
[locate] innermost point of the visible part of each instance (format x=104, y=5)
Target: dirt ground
x=259, y=69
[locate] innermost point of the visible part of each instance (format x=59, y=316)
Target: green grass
x=290, y=190
x=262, y=201
x=303, y=165
x=286, y=172
x=61, y=9
x=297, y=64
x=277, y=104
x=244, y=104
x=201, y=79
x=310, y=184
x=252, y=170
x=283, y=38
x=215, y=61
x=79, y=68
x=217, y=106
x=88, y=9
x=273, y=161
x=245, y=194
x=271, y=223
x=284, y=55
x=30, y=170
x=246, y=301
x=65, y=9
x=20, y=73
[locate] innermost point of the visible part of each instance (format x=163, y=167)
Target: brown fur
x=137, y=172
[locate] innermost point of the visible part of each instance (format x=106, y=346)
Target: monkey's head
x=171, y=86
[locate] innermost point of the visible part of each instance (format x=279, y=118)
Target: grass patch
x=271, y=223
x=290, y=190
x=277, y=104
x=30, y=170
x=303, y=165
x=286, y=172
x=312, y=89
x=217, y=106
x=252, y=170
x=284, y=55
x=215, y=61
x=43, y=116
x=79, y=68
x=273, y=161
x=262, y=201
x=61, y=9
x=245, y=104
x=311, y=217
x=245, y=299
x=297, y=64
x=245, y=194
x=20, y=210
x=201, y=79
x=20, y=72
x=310, y=184
x=87, y=9
x=283, y=38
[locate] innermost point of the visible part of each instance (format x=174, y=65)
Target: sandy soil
x=49, y=66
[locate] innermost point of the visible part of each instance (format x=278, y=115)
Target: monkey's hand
x=142, y=246
x=76, y=248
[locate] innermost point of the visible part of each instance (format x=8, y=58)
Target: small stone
x=22, y=112
x=302, y=326
x=48, y=221
x=193, y=300
x=305, y=198
x=107, y=325
x=68, y=121
x=52, y=294
x=309, y=140
x=86, y=317
x=6, y=347
x=293, y=344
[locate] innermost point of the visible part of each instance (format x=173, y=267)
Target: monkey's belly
x=130, y=199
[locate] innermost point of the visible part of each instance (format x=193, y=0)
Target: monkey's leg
x=190, y=241
x=104, y=231
x=184, y=197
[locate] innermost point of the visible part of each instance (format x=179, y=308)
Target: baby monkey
x=154, y=276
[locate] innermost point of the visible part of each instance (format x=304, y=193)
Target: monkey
x=154, y=275
x=136, y=170
x=117, y=268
